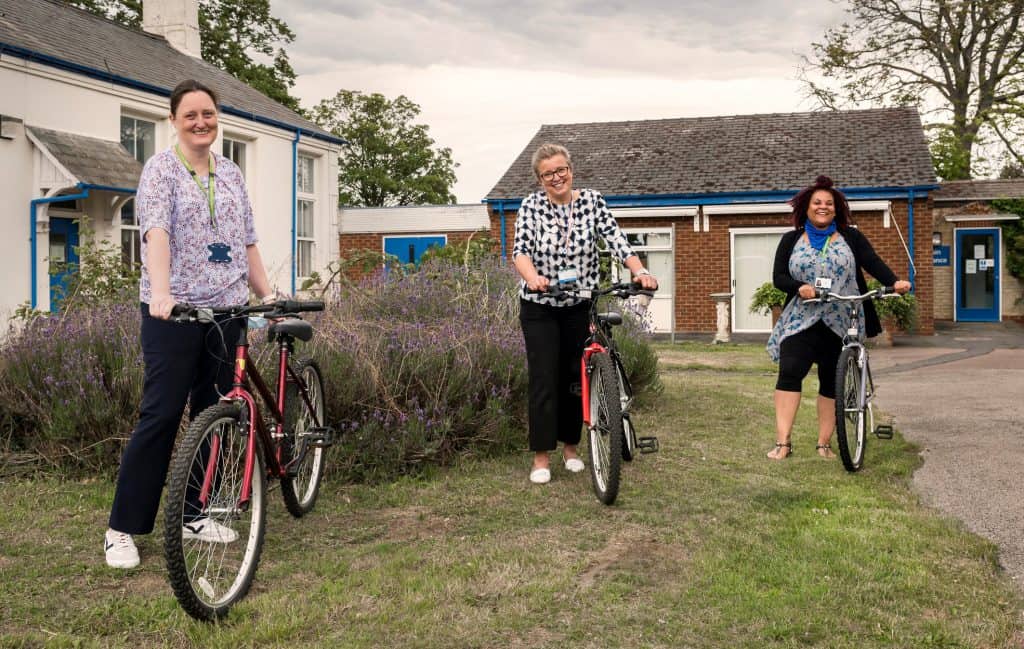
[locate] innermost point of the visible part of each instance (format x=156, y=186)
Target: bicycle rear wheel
x=606, y=434
x=305, y=455
x=851, y=412
x=212, y=562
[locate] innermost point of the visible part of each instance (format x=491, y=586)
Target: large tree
x=232, y=33
x=960, y=61
x=389, y=160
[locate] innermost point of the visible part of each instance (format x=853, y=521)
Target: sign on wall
x=940, y=255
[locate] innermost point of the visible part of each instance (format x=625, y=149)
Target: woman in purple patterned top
x=198, y=247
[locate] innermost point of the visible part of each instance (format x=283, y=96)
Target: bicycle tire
x=209, y=577
x=629, y=443
x=301, y=486
x=605, y=431
x=851, y=415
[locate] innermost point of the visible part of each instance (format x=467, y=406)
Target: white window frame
x=670, y=247
x=305, y=194
x=133, y=227
x=233, y=142
x=139, y=118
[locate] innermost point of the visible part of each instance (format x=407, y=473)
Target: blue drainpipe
x=501, y=215
x=32, y=232
x=910, y=235
x=295, y=206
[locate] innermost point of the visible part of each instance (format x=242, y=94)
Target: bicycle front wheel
x=304, y=426
x=212, y=540
x=851, y=411
x=606, y=433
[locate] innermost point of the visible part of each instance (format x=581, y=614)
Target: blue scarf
x=817, y=237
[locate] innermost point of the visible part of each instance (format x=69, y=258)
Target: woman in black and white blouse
x=557, y=229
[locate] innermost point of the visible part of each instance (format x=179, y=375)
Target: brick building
x=971, y=280
x=703, y=200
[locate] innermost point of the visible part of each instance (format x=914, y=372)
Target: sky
x=488, y=73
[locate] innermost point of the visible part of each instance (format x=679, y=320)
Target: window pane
x=304, y=261
x=146, y=140
x=128, y=214
x=305, y=175
x=304, y=224
x=234, y=151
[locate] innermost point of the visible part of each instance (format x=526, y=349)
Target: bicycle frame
x=241, y=391
x=598, y=331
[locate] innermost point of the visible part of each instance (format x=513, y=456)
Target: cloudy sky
x=489, y=73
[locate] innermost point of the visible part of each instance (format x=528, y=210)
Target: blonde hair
x=549, y=150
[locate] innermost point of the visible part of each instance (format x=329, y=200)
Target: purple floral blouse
x=209, y=263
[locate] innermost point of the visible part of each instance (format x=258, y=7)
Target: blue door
x=410, y=249
x=63, y=257
x=977, y=275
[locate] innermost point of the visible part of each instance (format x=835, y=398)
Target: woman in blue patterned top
x=557, y=229
x=823, y=245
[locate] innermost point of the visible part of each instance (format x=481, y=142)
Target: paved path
x=960, y=396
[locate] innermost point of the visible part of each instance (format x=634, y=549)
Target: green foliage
x=765, y=297
x=901, y=310
x=389, y=160
x=958, y=62
x=100, y=276
x=232, y=33
x=478, y=247
x=1013, y=236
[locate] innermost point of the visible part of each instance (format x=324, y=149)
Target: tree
x=388, y=160
x=232, y=32
x=960, y=61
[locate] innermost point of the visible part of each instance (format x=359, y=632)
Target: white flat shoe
x=574, y=465
x=540, y=476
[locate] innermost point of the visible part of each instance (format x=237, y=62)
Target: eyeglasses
x=548, y=176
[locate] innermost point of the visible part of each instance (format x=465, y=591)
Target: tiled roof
x=979, y=190
x=92, y=161
x=742, y=153
x=79, y=38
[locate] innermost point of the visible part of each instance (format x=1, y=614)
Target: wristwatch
x=642, y=271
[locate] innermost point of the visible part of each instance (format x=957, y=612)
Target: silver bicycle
x=855, y=390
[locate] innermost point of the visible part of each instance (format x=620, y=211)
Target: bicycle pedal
x=320, y=437
x=883, y=431
x=647, y=444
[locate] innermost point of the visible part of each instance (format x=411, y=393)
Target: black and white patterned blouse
x=554, y=240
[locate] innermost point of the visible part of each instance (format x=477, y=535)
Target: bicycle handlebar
x=621, y=289
x=279, y=308
x=828, y=296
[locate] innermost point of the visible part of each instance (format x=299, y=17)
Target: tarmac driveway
x=959, y=395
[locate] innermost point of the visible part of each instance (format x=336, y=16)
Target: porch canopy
x=86, y=162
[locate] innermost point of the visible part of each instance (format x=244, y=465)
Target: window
x=138, y=136
x=131, y=251
x=234, y=150
x=305, y=229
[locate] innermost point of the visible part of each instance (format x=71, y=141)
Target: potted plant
x=898, y=313
x=768, y=300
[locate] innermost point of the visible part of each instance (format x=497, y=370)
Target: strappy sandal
x=818, y=447
x=778, y=445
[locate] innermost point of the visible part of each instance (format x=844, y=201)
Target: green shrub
x=765, y=297
x=901, y=310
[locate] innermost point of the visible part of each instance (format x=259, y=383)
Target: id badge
x=823, y=283
x=567, y=276
x=219, y=253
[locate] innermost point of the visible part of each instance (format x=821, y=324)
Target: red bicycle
x=607, y=395
x=216, y=493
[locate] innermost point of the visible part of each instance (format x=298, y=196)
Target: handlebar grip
x=179, y=310
x=886, y=290
x=295, y=306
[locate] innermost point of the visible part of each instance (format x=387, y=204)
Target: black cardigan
x=864, y=256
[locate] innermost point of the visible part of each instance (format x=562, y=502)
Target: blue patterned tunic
x=806, y=264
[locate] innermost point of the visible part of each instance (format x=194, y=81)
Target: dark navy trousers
x=184, y=363
x=554, y=346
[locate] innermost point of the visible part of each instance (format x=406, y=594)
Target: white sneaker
x=206, y=529
x=574, y=465
x=120, y=549
x=540, y=476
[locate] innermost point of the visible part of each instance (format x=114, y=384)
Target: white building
x=83, y=101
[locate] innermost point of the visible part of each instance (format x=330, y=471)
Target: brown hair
x=802, y=201
x=185, y=87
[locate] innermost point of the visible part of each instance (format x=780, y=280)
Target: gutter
x=104, y=75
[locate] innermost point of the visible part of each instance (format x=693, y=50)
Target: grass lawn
x=709, y=545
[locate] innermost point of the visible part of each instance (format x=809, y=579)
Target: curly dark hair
x=802, y=200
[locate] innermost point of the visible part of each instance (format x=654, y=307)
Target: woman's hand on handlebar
x=807, y=292
x=646, y=281
x=160, y=306
x=902, y=286
x=538, y=283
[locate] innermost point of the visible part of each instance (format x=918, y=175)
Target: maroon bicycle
x=221, y=467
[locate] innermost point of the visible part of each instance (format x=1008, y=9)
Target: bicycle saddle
x=611, y=318
x=293, y=327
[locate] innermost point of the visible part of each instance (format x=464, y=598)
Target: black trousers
x=184, y=362
x=816, y=344
x=554, y=346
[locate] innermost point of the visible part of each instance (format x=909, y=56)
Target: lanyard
x=209, y=189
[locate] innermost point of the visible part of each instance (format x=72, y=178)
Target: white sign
x=982, y=264
x=979, y=251
x=970, y=266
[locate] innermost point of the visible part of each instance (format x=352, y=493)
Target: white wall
x=52, y=99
